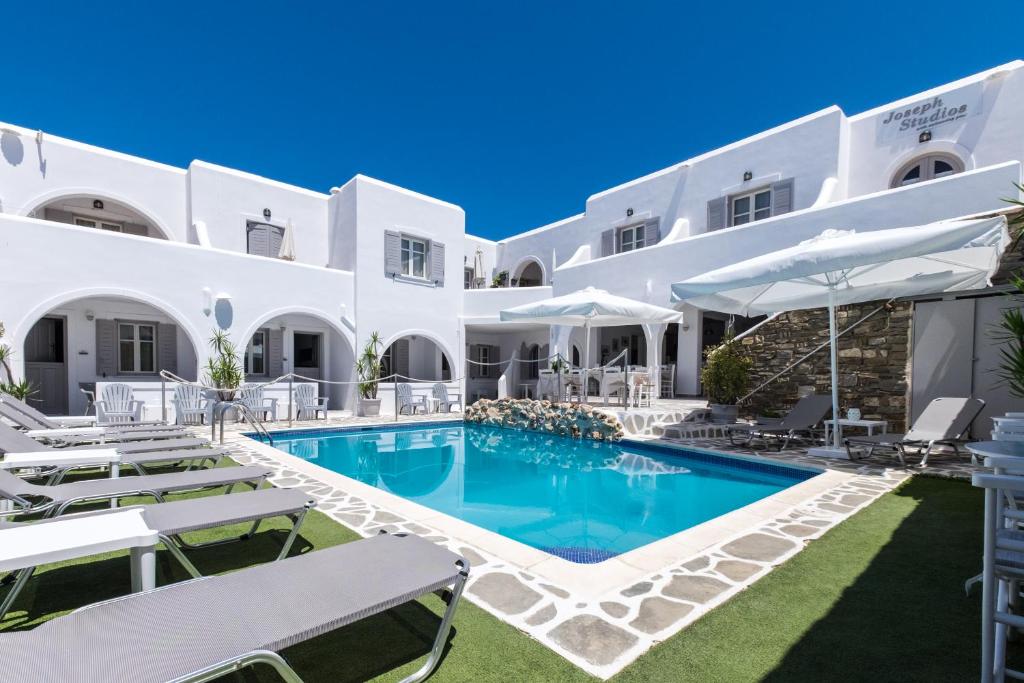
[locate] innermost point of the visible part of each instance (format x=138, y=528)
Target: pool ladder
x=222, y=407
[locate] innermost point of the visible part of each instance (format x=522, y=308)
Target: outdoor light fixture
x=629, y=212
x=97, y=203
x=266, y=214
x=90, y=316
x=925, y=136
x=747, y=175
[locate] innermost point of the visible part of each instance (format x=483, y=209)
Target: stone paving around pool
x=603, y=633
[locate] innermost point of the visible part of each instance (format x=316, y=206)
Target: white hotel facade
x=113, y=267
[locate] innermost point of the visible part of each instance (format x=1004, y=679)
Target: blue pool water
x=580, y=500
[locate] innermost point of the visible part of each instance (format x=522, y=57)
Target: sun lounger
x=53, y=499
x=198, y=630
x=40, y=430
x=696, y=423
x=174, y=519
x=13, y=440
x=943, y=422
x=44, y=421
x=802, y=419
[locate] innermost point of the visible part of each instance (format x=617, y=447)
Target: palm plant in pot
x=223, y=368
x=19, y=389
x=368, y=372
x=725, y=376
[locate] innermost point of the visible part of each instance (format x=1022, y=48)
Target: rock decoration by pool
x=563, y=419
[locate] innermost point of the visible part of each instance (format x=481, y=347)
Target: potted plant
x=725, y=376
x=368, y=373
x=223, y=369
x=20, y=389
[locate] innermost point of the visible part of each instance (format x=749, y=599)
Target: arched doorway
x=417, y=358
x=91, y=340
x=530, y=273
x=306, y=344
x=99, y=212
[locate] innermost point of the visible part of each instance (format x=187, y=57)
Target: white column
x=688, y=351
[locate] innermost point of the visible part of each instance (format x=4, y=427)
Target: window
x=928, y=167
x=100, y=224
x=484, y=357
x=414, y=257
x=136, y=347
x=263, y=239
x=467, y=278
x=754, y=206
x=255, y=361
x=631, y=237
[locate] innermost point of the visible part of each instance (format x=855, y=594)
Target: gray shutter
x=652, y=233
x=608, y=242
x=782, y=196
x=474, y=355
x=58, y=216
x=392, y=254
x=716, y=213
x=400, y=357
x=167, y=347
x=493, y=357
x=136, y=229
x=275, y=352
x=437, y=263
x=257, y=239
x=106, y=348
x=274, y=236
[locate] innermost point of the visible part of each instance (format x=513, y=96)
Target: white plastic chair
x=252, y=398
x=407, y=401
x=307, y=403
x=444, y=399
x=190, y=405
x=118, y=405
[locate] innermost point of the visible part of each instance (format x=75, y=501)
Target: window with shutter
x=263, y=239
x=608, y=242
x=782, y=196
x=392, y=254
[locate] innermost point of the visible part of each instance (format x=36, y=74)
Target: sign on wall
x=943, y=114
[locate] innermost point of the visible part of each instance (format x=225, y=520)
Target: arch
x=335, y=325
x=526, y=262
x=452, y=358
x=942, y=148
x=40, y=310
x=73, y=192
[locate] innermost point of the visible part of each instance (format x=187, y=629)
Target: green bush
x=726, y=373
x=368, y=367
x=223, y=369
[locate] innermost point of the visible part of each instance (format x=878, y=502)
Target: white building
x=113, y=267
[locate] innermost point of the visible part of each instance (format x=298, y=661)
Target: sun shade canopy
x=592, y=306
x=856, y=266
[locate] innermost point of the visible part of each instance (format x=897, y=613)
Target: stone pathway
x=603, y=634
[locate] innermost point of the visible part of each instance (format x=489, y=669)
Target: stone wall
x=874, y=368
x=564, y=419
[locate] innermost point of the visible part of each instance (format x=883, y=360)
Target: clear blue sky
x=515, y=111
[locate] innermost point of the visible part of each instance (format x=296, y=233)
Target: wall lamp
x=748, y=175
x=925, y=136
x=266, y=214
x=97, y=203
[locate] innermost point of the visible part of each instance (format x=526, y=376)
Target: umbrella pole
x=586, y=360
x=834, y=352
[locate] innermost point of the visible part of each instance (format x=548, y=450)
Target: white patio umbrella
x=478, y=268
x=590, y=307
x=844, y=267
x=287, y=249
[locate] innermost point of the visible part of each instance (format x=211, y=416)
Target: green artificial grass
x=880, y=597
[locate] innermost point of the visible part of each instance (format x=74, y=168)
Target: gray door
x=307, y=354
x=46, y=366
x=943, y=352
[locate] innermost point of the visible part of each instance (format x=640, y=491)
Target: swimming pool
x=584, y=501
